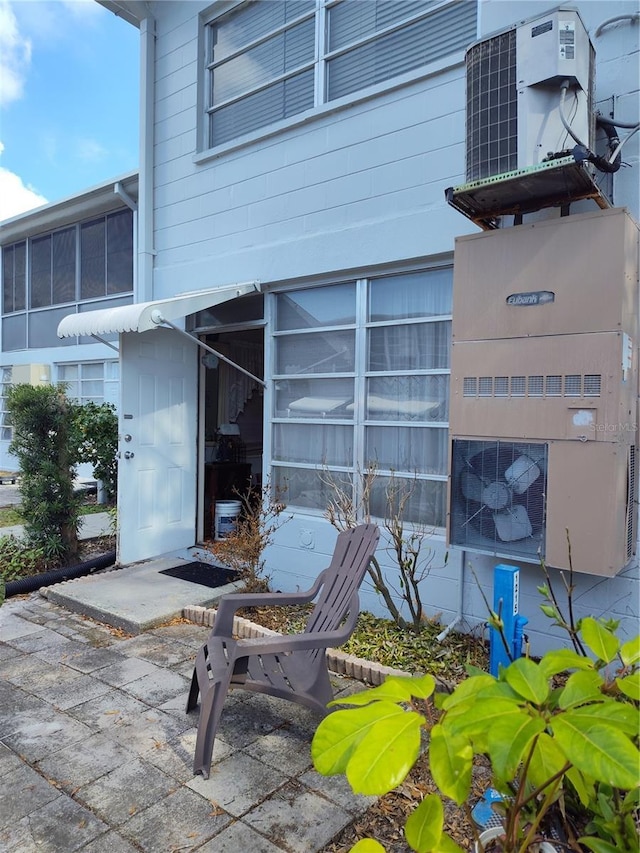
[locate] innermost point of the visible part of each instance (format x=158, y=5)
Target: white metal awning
x=143, y=316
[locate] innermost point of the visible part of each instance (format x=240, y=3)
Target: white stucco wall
x=347, y=188
x=351, y=188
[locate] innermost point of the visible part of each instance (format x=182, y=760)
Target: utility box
x=514, y=80
x=544, y=392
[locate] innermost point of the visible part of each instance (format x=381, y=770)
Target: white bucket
x=226, y=516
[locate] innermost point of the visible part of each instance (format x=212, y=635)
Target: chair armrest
x=229, y=604
x=289, y=643
x=302, y=641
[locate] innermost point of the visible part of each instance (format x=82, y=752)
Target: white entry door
x=157, y=444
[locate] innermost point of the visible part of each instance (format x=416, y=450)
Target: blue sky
x=68, y=100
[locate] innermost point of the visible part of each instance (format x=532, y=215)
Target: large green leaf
x=581, y=687
x=547, y=759
x=559, y=660
x=447, y=845
x=367, y=845
x=601, y=751
x=384, y=756
x=509, y=742
x=630, y=652
x=584, y=787
x=451, y=762
x=467, y=690
x=598, y=845
x=475, y=719
x=630, y=685
x=339, y=733
x=528, y=680
x=602, y=642
x=393, y=689
x=610, y=712
x=423, y=828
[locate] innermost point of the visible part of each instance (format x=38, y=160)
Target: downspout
x=143, y=289
x=458, y=617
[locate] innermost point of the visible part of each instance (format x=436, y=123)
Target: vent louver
x=631, y=502
x=572, y=385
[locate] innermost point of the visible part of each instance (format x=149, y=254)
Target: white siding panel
x=176, y=147
x=420, y=233
x=181, y=78
x=177, y=104
x=176, y=126
x=383, y=160
x=615, y=598
x=174, y=172
x=176, y=25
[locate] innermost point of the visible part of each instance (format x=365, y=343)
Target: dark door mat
x=202, y=573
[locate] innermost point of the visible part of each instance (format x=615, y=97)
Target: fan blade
x=521, y=474
x=496, y=495
x=512, y=524
x=471, y=486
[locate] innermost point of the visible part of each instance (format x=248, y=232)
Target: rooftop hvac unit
x=544, y=392
x=530, y=121
x=514, y=93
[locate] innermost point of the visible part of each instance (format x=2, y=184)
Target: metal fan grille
x=498, y=491
x=492, y=122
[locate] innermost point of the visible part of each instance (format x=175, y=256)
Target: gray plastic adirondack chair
x=293, y=666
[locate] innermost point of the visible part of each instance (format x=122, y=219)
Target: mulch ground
x=384, y=821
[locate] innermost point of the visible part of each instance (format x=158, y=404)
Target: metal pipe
x=160, y=321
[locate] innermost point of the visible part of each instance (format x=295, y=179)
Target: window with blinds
x=46, y=273
x=361, y=382
x=260, y=66
x=375, y=41
x=90, y=382
x=267, y=62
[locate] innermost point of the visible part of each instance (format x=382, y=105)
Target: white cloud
x=90, y=150
x=54, y=20
x=15, y=56
x=15, y=197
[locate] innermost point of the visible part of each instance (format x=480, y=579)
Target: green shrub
x=97, y=442
x=44, y=442
x=554, y=750
x=19, y=560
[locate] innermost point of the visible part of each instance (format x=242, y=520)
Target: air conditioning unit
x=514, y=91
x=544, y=392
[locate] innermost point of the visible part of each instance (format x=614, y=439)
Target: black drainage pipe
x=34, y=582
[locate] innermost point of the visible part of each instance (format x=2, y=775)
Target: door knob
x=129, y=454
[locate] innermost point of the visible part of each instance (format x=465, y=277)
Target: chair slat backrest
x=342, y=578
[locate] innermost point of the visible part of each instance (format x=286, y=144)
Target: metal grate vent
x=572, y=385
x=631, y=502
x=498, y=491
x=492, y=118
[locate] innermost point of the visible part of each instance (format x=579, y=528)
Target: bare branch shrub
x=407, y=542
x=243, y=547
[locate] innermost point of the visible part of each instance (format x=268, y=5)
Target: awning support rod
x=106, y=343
x=161, y=321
